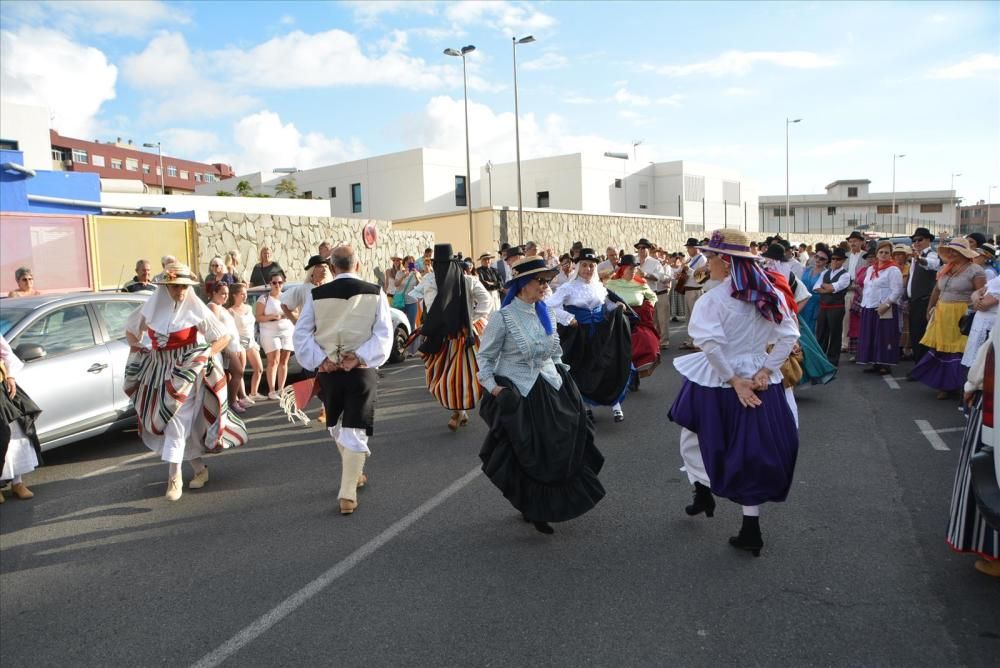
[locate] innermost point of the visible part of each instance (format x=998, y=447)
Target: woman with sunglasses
x=25, y=284
x=818, y=265
x=632, y=289
x=276, y=332
x=595, y=337
x=540, y=448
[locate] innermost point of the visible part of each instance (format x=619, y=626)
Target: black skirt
x=24, y=411
x=540, y=450
x=599, y=355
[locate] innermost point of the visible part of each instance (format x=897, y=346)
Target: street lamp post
x=788, y=122
x=892, y=209
x=461, y=53
x=952, y=209
x=159, y=152
x=989, y=203
x=517, y=137
x=489, y=174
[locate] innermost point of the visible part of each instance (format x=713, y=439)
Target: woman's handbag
x=965, y=322
x=399, y=299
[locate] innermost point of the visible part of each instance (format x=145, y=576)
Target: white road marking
x=106, y=469
x=891, y=382
x=254, y=630
x=931, y=434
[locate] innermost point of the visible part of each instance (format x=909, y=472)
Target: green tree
x=243, y=188
x=287, y=187
x=223, y=193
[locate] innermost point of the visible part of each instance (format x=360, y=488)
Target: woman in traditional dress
x=634, y=291
x=818, y=264
x=739, y=436
x=807, y=362
x=987, y=260
x=968, y=530
x=878, y=340
x=941, y=368
x=276, y=330
x=595, y=337
x=540, y=448
x=178, y=387
x=456, y=316
x=984, y=303
x=901, y=256
x=20, y=451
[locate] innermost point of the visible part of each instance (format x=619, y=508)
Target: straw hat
x=531, y=266
x=176, y=273
x=900, y=248
x=729, y=242
x=960, y=246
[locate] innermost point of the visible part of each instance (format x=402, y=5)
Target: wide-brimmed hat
x=923, y=233
x=901, y=248
x=513, y=251
x=960, y=246
x=487, y=256
x=531, y=266
x=628, y=260
x=643, y=243
x=855, y=235
x=176, y=273
x=316, y=260
x=989, y=250
x=587, y=254
x=728, y=242
x=691, y=242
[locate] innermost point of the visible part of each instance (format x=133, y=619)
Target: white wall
x=810, y=212
x=29, y=126
x=201, y=205
x=558, y=175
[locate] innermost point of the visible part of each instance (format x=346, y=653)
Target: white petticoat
x=21, y=457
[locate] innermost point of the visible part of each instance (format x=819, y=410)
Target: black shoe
x=749, y=538
x=544, y=527
x=704, y=502
x=674, y=319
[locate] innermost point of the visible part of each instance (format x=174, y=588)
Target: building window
x=172, y=171
x=831, y=210
x=886, y=208
x=9, y=145
x=308, y=194
x=98, y=160
x=116, y=163
x=197, y=177
x=79, y=156
x=58, y=155
x=460, y=198
x=852, y=191
x=779, y=211
x=184, y=174
x=333, y=192
x=131, y=164
x=643, y=206
x=145, y=168
x=543, y=199
x=618, y=183
x=931, y=208
x=209, y=178
x=355, y=198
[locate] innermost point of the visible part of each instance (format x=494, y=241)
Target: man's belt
x=662, y=292
x=691, y=288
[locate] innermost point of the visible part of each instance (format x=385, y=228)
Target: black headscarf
x=449, y=314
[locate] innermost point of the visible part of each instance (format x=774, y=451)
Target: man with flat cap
x=692, y=278
x=857, y=243
x=924, y=265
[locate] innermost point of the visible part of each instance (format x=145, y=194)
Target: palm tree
x=243, y=188
x=287, y=187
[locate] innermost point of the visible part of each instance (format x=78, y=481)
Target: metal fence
x=882, y=224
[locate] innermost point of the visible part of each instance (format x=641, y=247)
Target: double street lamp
x=461, y=53
x=892, y=209
x=788, y=123
x=159, y=152
x=517, y=137
x=952, y=209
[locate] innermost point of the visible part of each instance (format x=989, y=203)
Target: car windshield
x=10, y=316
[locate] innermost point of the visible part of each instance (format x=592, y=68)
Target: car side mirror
x=27, y=352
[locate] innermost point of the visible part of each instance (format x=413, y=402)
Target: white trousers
x=350, y=438
x=691, y=454
x=21, y=457
x=663, y=317
x=845, y=340
x=690, y=297
x=178, y=446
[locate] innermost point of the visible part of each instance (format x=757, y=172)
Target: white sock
x=616, y=407
x=16, y=480
x=175, y=470
x=751, y=511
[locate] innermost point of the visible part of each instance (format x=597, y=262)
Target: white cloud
x=980, y=64
x=369, y=12
x=166, y=62
x=736, y=91
x=671, y=100
x=742, y=62
x=287, y=20
x=623, y=96
x=194, y=144
x=837, y=148
x=509, y=17
x=43, y=67
x=579, y=99
x=549, y=61
x=122, y=19
x=265, y=142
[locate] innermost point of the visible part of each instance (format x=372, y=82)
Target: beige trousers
x=663, y=318
x=848, y=300
x=353, y=465
x=690, y=297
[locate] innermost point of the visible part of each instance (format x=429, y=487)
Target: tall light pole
x=989, y=203
x=489, y=173
x=892, y=209
x=461, y=53
x=159, y=152
x=954, y=224
x=517, y=137
x=788, y=122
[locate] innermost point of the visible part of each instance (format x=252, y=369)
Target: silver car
x=74, y=351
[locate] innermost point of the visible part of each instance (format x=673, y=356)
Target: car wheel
x=398, y=353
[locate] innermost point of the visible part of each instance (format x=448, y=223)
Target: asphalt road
x=435, y=568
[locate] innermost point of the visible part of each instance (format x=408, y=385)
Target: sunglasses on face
x=277, y=282
x=543, y=281
x=820, y=258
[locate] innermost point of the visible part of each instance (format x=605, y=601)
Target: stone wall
x=293, y=239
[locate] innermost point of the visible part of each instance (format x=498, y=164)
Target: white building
x=407, y=184
x=26, y=129
x=702, y=195
x=848, y=205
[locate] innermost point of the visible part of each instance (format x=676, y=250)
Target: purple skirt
x=942, y=371
x=878, y=341
x=749, y=453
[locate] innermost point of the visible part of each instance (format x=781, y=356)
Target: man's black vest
x=922, y=280
x=833, y=297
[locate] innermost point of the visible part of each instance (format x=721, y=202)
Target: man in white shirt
x=857, y=242
x=831, y=286
x=609, y=265
x=924, y=265
x=293, y=299
x=566, y=272
x=696, y=268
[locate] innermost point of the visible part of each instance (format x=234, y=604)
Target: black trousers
x=829, y=329
x=918, y=325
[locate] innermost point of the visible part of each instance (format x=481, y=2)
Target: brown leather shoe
x=174, y=488
x=988, y=567
x=347, y=506
x=21, y=491
x=453, y=422
x=1, y=497
x=362, y=480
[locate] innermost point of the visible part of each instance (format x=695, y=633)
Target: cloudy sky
x=264, y=85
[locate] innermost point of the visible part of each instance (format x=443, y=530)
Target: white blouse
x=578, y=293
x=886, y=289
x=733, y=337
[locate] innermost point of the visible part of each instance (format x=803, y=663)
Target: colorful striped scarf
x=751, y=284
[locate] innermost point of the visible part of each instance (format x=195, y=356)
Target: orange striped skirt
x=451, y=371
